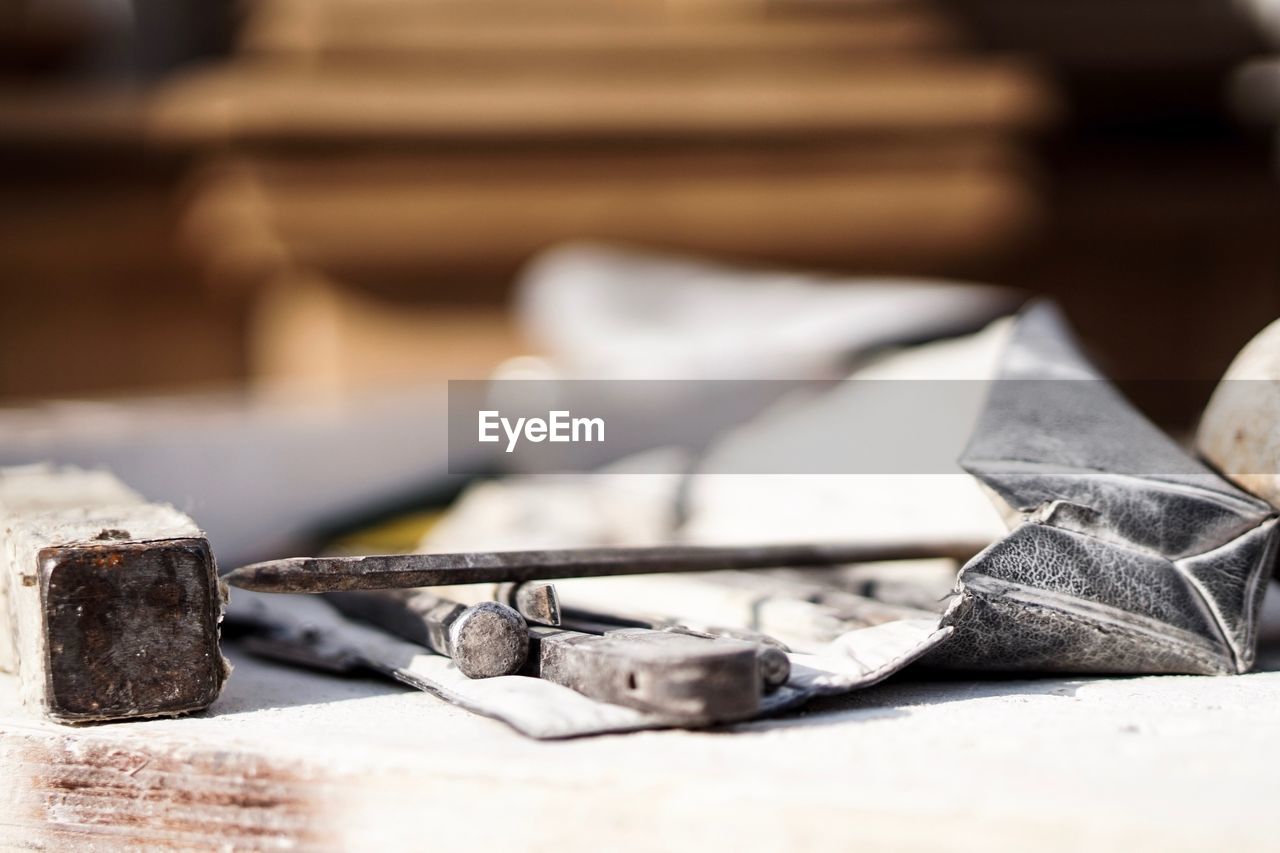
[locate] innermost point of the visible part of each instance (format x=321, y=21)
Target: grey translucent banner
x=908, y=427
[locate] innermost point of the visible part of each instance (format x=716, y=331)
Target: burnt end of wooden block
x=131, y=629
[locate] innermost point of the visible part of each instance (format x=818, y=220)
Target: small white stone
x=1240, y=429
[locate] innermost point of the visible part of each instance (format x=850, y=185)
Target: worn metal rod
x=484, y=640
x=690, y=680
x=537, y=602
x=771, y=655
x=390, y=571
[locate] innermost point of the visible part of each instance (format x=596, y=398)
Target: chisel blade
x=392, y=571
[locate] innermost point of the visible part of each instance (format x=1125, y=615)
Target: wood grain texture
x=290, y=760
x=73, y=790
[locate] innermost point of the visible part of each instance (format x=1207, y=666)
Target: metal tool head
x=536, y=602
x=689, y=680
x=774, y=666
x=484, y=640
x=771, y=655
x=487, y=640
x=132, y=628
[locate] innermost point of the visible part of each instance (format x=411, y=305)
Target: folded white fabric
x=603, y=312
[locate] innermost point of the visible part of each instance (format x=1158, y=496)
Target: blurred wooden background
x=348, y=187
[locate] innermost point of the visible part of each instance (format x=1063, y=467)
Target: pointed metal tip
x=538, y=602
x=269, y=576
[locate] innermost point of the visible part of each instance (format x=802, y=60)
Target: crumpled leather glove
x=1128, y=555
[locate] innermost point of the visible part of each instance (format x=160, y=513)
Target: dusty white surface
x=288, y=759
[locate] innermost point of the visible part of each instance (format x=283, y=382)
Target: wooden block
x=32, y=489
x=109, y=606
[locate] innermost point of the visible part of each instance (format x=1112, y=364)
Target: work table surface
x=291, y=760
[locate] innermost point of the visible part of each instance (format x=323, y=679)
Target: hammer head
x=688, y=680
x=109, y=605
x=130, y=629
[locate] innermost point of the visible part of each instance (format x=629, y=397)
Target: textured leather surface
x=1131, y=556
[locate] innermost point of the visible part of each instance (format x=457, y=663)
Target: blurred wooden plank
x=423, y=35
x=342, y=222
x=298, y=13
x=247, y=105
x=329, y=339
x=641, y=160
x=106, y=299
x=95, y=334
x=1119, y=36
x=61, y=233
x=80, y=118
